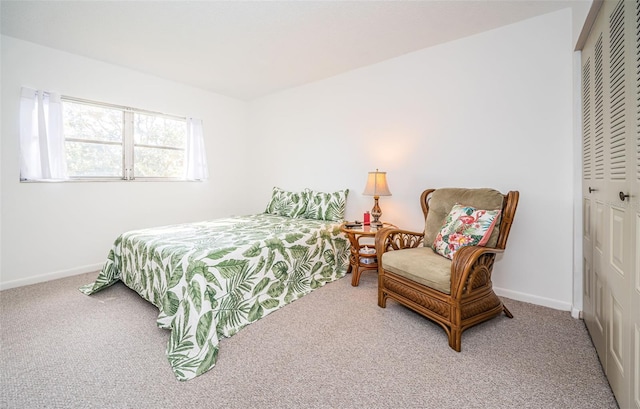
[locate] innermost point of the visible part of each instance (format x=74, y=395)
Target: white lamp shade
x=377, y=184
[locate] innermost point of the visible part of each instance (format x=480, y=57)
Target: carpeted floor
x=334, y=348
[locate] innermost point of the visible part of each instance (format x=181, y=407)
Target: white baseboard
x=50, y=276
x=576, y=313
x=534, y=299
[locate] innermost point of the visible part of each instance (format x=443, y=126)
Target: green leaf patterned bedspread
x=211, y=279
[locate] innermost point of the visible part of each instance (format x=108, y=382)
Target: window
x=93, y=139
x=65, y=138
x=106, y=141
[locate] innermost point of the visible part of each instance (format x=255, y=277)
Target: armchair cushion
x=422, y=265
x=465, y=226
x=443, y=200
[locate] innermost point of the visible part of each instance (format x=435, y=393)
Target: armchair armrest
x=471, y=268
x=391, y=238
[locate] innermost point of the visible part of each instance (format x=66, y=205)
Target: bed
x=210, y=279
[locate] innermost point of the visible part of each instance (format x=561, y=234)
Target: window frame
x=128, y=142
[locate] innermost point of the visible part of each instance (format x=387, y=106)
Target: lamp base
x=376, y=212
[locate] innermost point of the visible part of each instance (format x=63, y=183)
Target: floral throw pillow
x=289, y=204
x=326, y=206
x=464, y=226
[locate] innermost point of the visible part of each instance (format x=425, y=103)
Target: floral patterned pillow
x=464, y=226
x=326, y=206
x=289, y=204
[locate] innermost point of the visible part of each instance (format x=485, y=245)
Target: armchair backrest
x=437, y=203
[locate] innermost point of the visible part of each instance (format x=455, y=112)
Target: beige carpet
x=334, y=348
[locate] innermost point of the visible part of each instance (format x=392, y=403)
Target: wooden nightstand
x=363, y=256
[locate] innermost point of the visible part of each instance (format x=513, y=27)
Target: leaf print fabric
x=211, y=279
x=289, y=204
x=326, y=206
x=464, y=226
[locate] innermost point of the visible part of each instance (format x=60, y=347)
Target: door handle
x=592, y=189
x=623, y=196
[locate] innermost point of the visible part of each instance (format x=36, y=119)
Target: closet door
x=611, y=180
x=634, y=148
x=617, y=266
x=594, y=283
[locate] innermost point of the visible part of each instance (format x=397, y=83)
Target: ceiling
x=248, y=49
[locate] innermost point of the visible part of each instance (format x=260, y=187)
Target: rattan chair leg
x=455, y=339
x=506, y=311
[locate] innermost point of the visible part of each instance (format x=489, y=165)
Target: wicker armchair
x=465, y=295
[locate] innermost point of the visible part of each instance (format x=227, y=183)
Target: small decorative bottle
x=367, y=218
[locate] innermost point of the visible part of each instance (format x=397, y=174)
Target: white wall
x=490, y=110
x=51, y=230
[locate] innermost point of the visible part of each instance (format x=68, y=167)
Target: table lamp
x=376, y=187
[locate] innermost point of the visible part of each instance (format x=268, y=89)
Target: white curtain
x=195, y=155
x=41, y=138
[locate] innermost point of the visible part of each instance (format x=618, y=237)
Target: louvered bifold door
x=634, y=289
x=617, y=263
x=592, y=184
x=611, y=181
